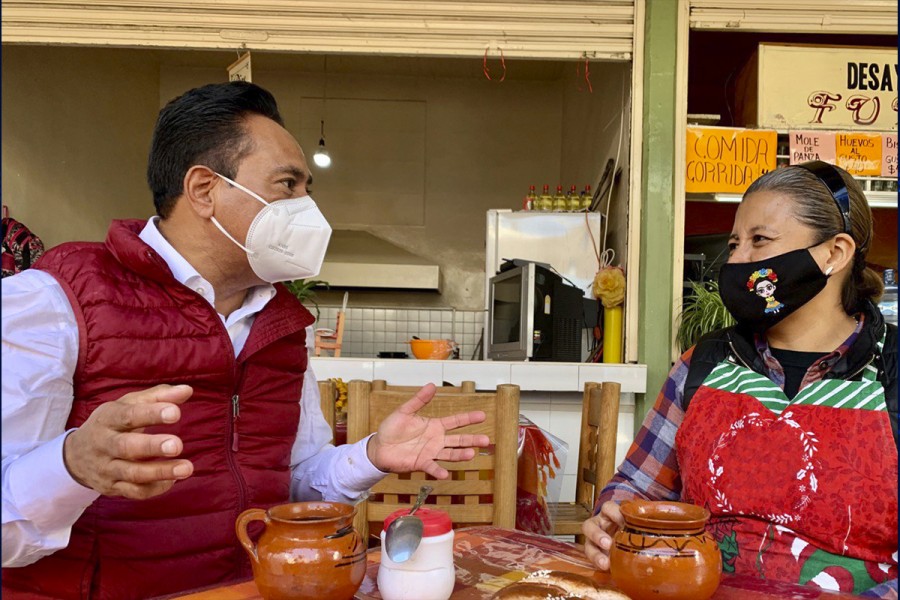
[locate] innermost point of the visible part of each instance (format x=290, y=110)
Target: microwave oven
x=534, y=315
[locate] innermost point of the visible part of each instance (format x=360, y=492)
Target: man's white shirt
x=40, y=499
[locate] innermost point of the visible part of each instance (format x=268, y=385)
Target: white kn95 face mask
x=287, y=240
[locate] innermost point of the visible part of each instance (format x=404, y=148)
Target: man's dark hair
x=204, y=126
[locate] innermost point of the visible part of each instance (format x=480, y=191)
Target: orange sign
x=725, y=159
x=859, y=153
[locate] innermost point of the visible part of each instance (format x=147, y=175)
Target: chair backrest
x=380, y=385
x=479, y=491
x=334, y=341
x=326, y=401
x=597, y=447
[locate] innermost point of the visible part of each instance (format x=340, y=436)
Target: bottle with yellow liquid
x=573, y=200
x=545, y=201
x=586, y=198
x=530, y=202
x=560, y=204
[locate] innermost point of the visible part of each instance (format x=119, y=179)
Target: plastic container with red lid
x=436, y=522
x=429, y=573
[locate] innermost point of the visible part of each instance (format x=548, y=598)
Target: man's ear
x=199, y=182
x=843, y=250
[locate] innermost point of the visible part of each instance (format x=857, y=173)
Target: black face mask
x=762, y=293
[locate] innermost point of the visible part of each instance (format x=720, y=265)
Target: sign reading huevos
x=726, y=159
x=820, y=87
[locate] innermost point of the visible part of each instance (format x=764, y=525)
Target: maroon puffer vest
x=139, y=327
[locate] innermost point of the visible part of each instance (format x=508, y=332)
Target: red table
x=488, y=558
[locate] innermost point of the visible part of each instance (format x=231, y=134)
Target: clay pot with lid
x=664, y=552
x=308, y=550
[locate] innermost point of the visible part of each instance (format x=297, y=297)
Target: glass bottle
x=573, y=200
x=586, y=198
x=559, y=200
x=545, y=202
x=530, y=202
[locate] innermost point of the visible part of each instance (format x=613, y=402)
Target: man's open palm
x=407, y=442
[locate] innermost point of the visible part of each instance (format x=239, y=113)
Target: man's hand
x=406, y=442
x=598, y=532
x=110, y=453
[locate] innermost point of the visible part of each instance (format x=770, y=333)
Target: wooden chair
x=327, y=392
x=596, y=457
x=479, y=491
x=326, y=401
x=380, y=385
x=331, y=341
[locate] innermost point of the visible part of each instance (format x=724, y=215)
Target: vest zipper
x=235, y=414
x=861, y=369
x=738, y=356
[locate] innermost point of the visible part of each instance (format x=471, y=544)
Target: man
x=151, y=383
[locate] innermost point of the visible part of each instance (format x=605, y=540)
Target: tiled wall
x=368, y=331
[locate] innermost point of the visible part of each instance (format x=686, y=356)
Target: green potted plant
x=303, y=290
x=703, y=311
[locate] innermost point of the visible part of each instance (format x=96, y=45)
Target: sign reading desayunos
x=819, y=87
x=726, y=159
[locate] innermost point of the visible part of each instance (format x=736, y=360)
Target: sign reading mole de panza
x=727, y=159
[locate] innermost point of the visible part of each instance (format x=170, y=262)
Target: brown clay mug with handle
x=308, y=550
x=664, y=552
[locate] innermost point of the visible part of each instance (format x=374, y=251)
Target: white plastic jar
x=429, y=573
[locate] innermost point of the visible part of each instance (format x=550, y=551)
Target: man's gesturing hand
x=110, y=453
x=407, y=442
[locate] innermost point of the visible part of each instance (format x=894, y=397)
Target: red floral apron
x=803, y=491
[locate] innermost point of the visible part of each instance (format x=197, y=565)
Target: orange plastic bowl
x=431, y=349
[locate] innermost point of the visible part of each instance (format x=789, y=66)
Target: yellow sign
x=859, y=153
x=725, y=159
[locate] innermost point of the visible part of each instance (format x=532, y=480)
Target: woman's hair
x=815, y=207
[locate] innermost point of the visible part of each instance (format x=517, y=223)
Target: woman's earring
x=829, y=270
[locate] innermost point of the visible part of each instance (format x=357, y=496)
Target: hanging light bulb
x=321, y=157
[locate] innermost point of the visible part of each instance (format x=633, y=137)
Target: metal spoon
x=404, y=534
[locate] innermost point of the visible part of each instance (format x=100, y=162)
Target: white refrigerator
x=569, y=242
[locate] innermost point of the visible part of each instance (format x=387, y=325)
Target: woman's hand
x=598, y=532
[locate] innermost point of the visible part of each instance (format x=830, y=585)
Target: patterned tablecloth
x=488, y=558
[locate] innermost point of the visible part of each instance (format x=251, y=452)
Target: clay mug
x=308, y=550
x=664, y=552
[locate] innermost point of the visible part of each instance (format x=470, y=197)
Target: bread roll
x=531, y=591
x=576, y=585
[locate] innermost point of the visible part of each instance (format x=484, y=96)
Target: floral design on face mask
x=762, y=283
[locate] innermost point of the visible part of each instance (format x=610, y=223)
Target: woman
x=784, y=426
